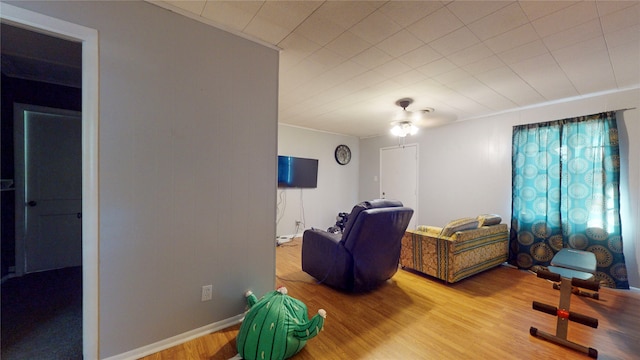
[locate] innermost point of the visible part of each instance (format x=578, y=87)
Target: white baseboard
x=178, y=339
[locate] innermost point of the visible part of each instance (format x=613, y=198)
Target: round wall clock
x=343, y=154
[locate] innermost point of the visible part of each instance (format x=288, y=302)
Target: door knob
x=32, y=203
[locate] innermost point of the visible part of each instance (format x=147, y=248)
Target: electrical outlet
x=207, y=292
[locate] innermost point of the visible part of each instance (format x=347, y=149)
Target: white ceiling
x=344, y=64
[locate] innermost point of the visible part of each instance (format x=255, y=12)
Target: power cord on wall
x=282, y=200
x=301, y=224
x=280, y=212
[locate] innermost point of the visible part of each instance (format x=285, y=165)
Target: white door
x=49, y=150
x=399, y=177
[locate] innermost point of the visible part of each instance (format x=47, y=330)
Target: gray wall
x=465, y=167
x=188, y=142
x=337, y=189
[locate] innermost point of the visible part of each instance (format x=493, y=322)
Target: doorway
x=399, y=177
x=88, y=38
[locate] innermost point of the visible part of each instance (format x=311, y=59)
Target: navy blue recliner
x=366, y=254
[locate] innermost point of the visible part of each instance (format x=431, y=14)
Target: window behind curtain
x=566, y=194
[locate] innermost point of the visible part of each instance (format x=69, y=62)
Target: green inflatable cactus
x=276, y=326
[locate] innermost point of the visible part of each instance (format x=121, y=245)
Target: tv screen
x=295, y=172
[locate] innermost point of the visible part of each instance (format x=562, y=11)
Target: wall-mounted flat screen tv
x=295, y=172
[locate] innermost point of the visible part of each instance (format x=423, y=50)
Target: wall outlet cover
x=207, y=292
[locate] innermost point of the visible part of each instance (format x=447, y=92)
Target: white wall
x=187, y=144
x=337, y=189
x=465, y=167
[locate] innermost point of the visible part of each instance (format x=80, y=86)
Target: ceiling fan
x=406, y=122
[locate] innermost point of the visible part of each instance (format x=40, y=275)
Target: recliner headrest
x=366, y=205
x=382, y=203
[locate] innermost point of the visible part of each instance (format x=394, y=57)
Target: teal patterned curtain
x=566, y=194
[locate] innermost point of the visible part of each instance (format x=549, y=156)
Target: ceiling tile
x=193, y=6
x=400, y=43
x=348, y=44
x=465, y=104
x=326, y=58
x=368, y=79
x=436, y=25
x=499, y=22
x=375, y=28
x=381, y=89
x=601, y=75
x=626, y=64
x=434, y=89
x=455, y=41
x=454, y=75
x=294, y=49
x=566, y=18
x=507, y=83
x=346, y=14
x=372, y=57
x=287, y=14
x=588, y=73
x=264, y=29
x=479, y=92
x=628, y=36
x=276, y=19
x=305, y=71
x=470, y=55
x=406, y=13
x=523, y=52
x=470, y=11
x=625, y=18
x=484, y=65
x=420, y=56
x=579, y=33
x=235, y=14
x=437, y=67
x=607, y=7
x=345, y=71
x=511, y=39
x=581, y=49
x=538, y=9
x=543, y=74
x=319, y=29
x=409, y=78
x=392, y=68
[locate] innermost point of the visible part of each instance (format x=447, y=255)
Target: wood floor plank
x=486, y=316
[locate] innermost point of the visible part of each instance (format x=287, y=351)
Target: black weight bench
x=571, y=271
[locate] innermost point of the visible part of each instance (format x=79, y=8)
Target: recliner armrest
x=324, y=258
x=320, y=238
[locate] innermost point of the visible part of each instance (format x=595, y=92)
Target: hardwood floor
x=486, y=316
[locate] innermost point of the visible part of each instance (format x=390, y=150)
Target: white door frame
x=90, y=202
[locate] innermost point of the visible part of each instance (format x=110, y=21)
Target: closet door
x=399, y=177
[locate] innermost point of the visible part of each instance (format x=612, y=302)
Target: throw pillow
x=459, y=225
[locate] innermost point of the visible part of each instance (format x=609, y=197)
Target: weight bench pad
x=570, y=263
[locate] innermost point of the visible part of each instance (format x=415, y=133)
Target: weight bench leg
x=562, y=323
x=593, y=353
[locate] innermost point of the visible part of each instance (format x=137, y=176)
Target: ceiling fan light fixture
x=404, y=128
x=404, y=125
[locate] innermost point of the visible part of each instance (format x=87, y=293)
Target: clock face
x=343, y=154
